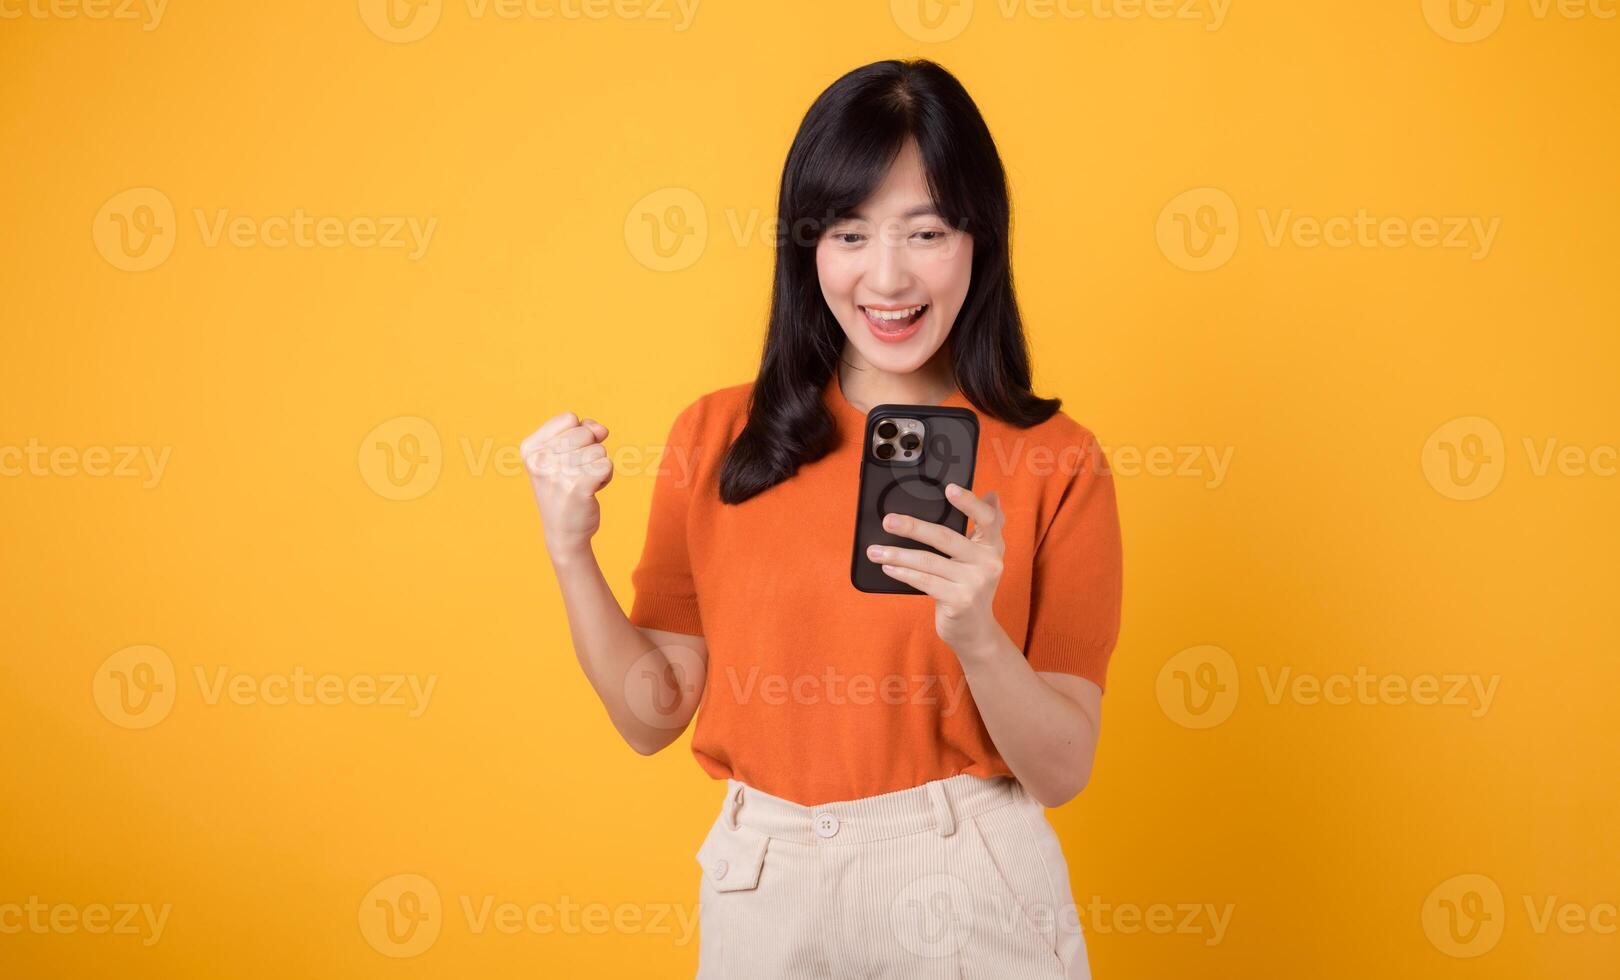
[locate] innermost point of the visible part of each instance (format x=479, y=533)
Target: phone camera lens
x=884, y=451
x=886, y=429
x=909, y=441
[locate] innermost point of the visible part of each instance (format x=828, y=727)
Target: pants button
x=720, y=868
x=826, y=824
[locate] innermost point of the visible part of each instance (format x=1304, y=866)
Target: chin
x=887, y=358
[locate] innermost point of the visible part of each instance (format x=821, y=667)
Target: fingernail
x=874, y=552
x=891, y=521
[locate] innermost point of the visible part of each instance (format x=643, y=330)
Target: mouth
x=893, y=324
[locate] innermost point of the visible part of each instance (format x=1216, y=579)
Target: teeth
x=892, y=314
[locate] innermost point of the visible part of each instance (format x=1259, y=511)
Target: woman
x=887, y=757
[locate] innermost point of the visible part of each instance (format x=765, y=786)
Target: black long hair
x=841, y=153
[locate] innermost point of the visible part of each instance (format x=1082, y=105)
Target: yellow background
x=542, y=147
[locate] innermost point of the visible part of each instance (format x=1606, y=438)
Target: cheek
x=835, y=272
x=949, y=275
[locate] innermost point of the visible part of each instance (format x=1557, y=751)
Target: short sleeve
x=665, y=592
x=1075, y=589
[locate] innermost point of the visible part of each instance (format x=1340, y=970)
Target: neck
x=864, y=385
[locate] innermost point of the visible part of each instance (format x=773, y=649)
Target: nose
x=890, y=271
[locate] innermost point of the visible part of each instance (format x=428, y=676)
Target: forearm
x=1046, y=738
x=609, y=648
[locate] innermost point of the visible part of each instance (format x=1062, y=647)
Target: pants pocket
x=1068, y=934
x=732, y=861
x=732, y=858
x=1024, y=909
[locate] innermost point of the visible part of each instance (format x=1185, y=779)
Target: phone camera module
x=899, y=439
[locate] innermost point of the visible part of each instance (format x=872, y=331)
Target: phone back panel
x=917, y=487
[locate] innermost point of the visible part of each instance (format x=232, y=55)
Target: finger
x=558, y=456
x=922, y=561
x=994, y=531
x=563, y=432
x=577, y=437
x=930, y=584
x=555, y=427
x=552, y=426
x=941, y=537
x=597, y=474
x=984, y=511
x=578, y=458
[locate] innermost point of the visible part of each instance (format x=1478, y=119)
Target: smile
x=894, y=324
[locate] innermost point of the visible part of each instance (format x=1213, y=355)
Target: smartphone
x=908, y=455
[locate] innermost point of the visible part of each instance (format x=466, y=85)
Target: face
x=895, y=275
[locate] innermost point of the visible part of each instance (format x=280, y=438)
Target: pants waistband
x=935, y=805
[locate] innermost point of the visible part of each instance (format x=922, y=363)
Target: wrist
x=571, y=556
x=985, y=647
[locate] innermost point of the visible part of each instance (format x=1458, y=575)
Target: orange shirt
x=818, y=692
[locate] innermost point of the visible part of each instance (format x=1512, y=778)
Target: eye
x=931, y=235
x=847, y=237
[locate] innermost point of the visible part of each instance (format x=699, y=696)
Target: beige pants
x=956, y=878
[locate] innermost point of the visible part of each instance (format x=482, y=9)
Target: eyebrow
x=917, y=211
